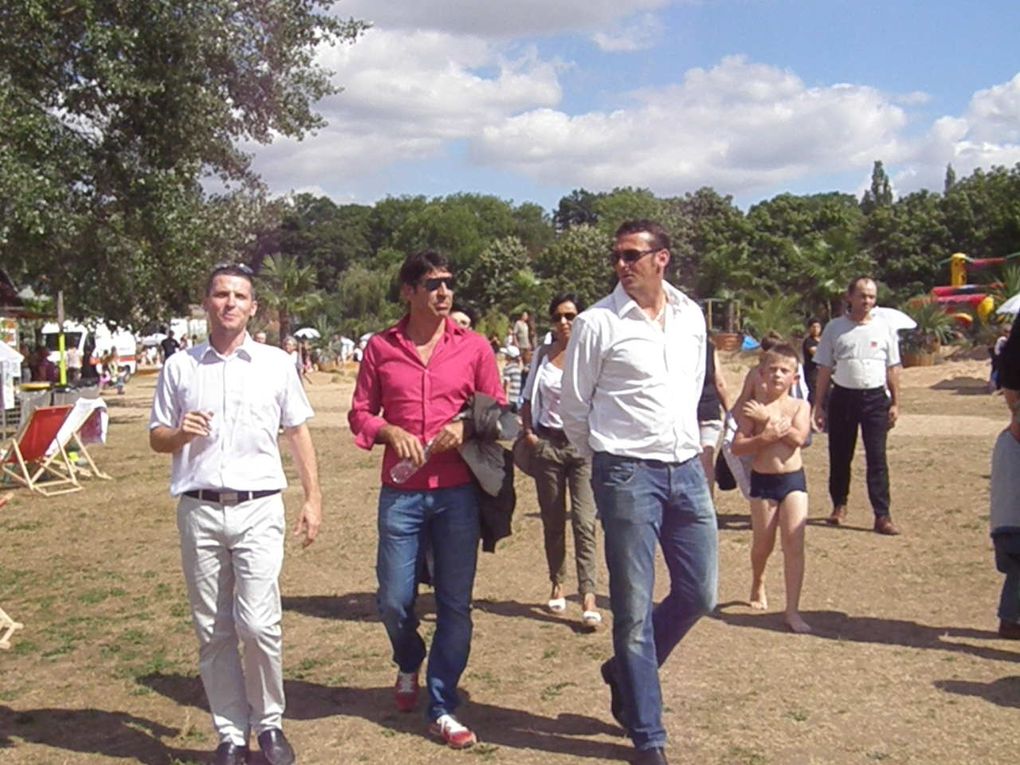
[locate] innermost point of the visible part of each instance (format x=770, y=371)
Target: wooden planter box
x=919, y=358
x=728, y=341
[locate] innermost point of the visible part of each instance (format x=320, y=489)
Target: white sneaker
x=452, y=732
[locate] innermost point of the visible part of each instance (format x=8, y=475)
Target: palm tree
x=778, y=313
x=288, y=288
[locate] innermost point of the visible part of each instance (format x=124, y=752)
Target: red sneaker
x=452, y=732
x=405, y=692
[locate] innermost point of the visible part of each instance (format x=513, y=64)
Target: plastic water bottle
x=406, y=467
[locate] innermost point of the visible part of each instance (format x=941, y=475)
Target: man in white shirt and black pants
x=632, y=379
x=218, y=410
x=858, y=358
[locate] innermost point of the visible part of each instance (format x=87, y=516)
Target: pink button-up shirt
x=421, y=398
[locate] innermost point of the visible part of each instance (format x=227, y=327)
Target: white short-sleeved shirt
x=631, y=388
x=550, y=388
x=251, y=393
x=859, y=355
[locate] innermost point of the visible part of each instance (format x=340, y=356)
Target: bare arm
x=745, y=443
x=892, y=381
x=800, y=425
x=299, y=439
x=166, y=440
x=821, y=391
x=721, y=389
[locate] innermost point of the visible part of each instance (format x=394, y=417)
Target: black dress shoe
x=615, y=694
x=650, y=757
x=275, y=747
x=228, y=753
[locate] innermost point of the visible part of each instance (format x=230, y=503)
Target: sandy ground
x=905, y=665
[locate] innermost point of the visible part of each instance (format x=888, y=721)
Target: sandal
x=592, y=619
x=557, y=605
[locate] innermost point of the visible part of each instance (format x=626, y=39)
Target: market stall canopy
x=9, y=354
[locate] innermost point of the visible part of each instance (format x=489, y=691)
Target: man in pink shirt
x=414, y=380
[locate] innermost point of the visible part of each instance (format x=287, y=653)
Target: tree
x=289, y=289
x=116, y=111
x=576, y=209
x=880, y=194
x=578, y=262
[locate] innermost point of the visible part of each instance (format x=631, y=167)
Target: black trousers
x=848, y=410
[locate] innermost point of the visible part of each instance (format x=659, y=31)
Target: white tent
x=10, y=370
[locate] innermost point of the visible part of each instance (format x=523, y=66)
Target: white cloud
x=502, y=20
x=737, y=126
x=406, y=95
x=986, y=134
x=641, y=33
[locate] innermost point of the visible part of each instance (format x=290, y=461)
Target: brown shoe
x=884, y=525
x=1009, y=630
x=838, y=517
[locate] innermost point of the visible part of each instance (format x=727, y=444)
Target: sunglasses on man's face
x=433, y=283
x=629, y=256
x=568, y=315
x=221, y=268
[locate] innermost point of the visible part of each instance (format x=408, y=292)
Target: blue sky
x=530, y=99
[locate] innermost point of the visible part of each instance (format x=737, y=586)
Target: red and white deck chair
x=86, y=424
x=28, y=460
x=7, y=625
x=7, y=628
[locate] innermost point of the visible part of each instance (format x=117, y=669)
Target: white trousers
x=232, y=556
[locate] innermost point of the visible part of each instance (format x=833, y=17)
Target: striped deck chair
x=86, y=424
x=27, y=459
x=7, y=628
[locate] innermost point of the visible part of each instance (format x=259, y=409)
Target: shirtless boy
x=772, y=429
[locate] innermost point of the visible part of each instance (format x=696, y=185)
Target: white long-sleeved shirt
x=631, y=388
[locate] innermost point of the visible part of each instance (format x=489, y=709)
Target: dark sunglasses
x=568, y=315
x=232, y=268
x=432, y=284
x=629, y=256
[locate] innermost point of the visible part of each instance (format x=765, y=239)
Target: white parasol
x=1011, y=306
x=894, y=317
x=307, y=333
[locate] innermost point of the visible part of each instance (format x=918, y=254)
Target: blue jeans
x=448, y=520
x=1007, y=560
x=642, y=502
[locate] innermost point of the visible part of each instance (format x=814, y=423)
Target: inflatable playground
x=963, y=300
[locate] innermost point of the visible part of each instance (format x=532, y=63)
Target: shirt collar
x=246, y=350
x=624, y=303
x=400, y=328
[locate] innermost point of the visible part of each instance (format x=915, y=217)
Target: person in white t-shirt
x=218, y=409
x=858, y=360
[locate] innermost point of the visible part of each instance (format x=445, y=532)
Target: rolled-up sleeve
x=363, y=418
x=165, y=409
x=581, y=370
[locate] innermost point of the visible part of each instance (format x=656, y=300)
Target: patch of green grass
x=483, y=750
x=98, y=595
x=744, y=756
x=550, y=652
x=550, y=692
x=799, y=715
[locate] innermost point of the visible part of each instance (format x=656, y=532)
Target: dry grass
x=905, y=666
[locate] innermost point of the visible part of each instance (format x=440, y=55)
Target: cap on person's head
x=512, y=352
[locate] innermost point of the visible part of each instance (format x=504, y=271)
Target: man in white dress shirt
x=631, y=384
x=218, y=410
x=858, y=360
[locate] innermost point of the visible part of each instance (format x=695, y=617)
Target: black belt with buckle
x=229, y=497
